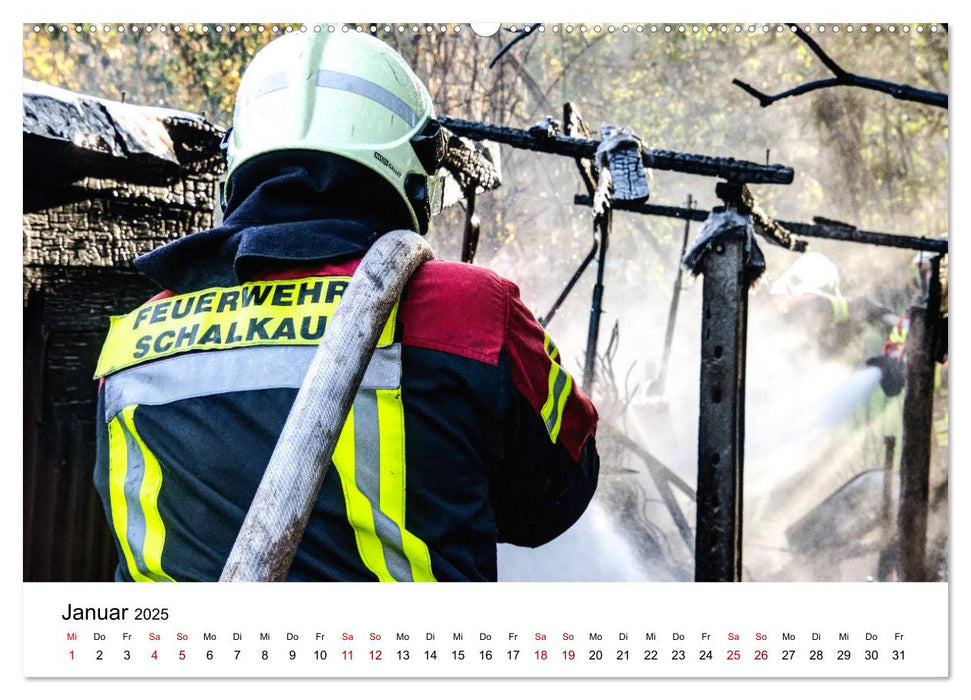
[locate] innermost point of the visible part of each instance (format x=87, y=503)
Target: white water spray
x=591, y=550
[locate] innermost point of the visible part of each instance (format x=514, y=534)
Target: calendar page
x=621, y=346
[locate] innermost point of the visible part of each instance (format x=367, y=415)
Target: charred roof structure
x=104, y=181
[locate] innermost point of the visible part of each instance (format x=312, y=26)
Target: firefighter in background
x=892, y=363
x=893, y=359
x=808, y=294
x=466, y=431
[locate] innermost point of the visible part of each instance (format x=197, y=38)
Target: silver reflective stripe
x=367, y=475
x=558, y=385
x=272, y=83
x=346, y=82
x=239, y=369
x=136, y=526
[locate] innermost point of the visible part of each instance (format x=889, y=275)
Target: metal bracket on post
x=728, y=256
x=915, y=449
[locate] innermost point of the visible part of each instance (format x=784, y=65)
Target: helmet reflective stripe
x=344, y=82
x=278, y=81
x=365, y=88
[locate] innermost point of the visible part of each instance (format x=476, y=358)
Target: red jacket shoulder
x=457, y=308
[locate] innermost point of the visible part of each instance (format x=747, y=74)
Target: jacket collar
x=285, y=208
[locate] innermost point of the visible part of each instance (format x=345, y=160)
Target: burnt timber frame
x=718, y=536
x=717, y=541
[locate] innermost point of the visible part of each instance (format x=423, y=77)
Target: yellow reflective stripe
x=561, y=403
x=899, y=332
x=357, y=505
x=841, y=308
x=390, y=493
x=391, y=422
x=941, y=431
x=117, y=471
x=550, y=347
x=559, y=385
x=280, y=312
x=547, y=409
x=148, y=497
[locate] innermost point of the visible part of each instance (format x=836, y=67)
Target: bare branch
x=528, y=79
x=525, y=32
x=843, y=77
x=766, y=100
x=820, y=54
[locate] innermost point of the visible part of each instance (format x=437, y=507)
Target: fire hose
x=275, y=523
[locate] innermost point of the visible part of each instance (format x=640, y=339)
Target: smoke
x=815, y=418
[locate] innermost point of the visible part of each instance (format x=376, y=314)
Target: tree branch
x=525, y=32
x=528, y=79
x=843, y=77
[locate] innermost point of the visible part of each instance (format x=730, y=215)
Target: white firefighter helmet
x=347, y=94
x=812, y=273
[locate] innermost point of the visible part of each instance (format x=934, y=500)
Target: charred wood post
x=470, y=169
x=615, y=152
x=545, y=320
x=721, y=421
x=726, y=253
x=885, y=564
x=596, y=305
x=572, y=123
x=915, y=451
x=889, y=446
x=657, y=387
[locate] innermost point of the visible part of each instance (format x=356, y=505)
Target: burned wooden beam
x=739, y=171
x=820, y=228
x=573, y=124
x=770, y=229
x=545, y=320
x=472, y=164
x=663, y=479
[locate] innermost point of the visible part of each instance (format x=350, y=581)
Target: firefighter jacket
x=895, y=347
x=465, y=432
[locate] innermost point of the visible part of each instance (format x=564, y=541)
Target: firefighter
x=466, y=431
x=807, y=294
x=892, y=361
